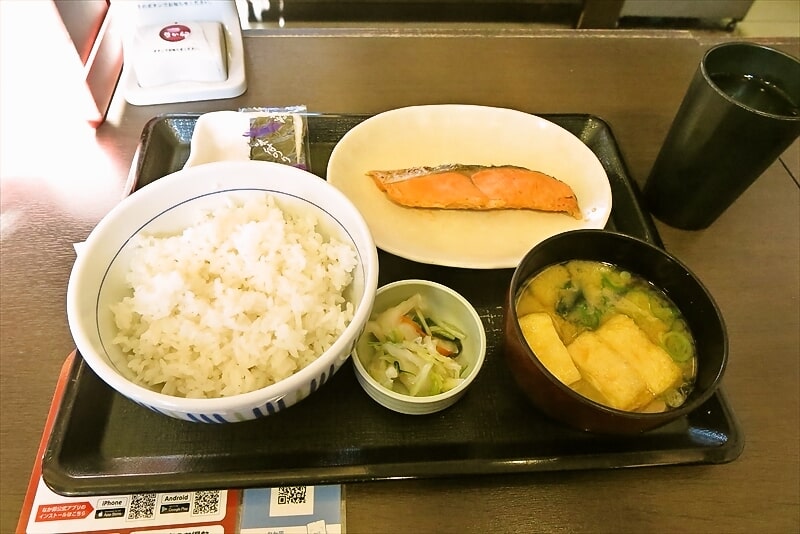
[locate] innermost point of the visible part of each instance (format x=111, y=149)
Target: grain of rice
x=244, y=298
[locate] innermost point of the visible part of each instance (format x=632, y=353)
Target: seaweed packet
x=279, y=134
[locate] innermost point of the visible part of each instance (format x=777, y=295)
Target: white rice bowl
x=253, y=281
x=238, y=301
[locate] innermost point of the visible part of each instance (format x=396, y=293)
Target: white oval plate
x=454, y=133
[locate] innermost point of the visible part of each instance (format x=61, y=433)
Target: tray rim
x=69, y=484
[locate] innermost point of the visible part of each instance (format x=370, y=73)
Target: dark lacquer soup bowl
x=660, y=271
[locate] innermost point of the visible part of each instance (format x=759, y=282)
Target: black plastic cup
x=741, y=111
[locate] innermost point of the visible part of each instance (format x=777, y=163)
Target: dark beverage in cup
x=756, y=93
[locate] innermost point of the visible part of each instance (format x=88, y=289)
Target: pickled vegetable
x=413, y=353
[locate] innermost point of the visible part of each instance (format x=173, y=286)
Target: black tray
x=104, y=444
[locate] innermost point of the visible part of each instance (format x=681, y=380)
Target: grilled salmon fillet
x=476, y=187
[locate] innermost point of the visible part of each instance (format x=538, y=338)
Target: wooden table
x=634, y=80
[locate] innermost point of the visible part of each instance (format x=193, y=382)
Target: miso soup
x=610, y=335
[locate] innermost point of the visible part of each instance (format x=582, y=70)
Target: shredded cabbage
x=412, y=353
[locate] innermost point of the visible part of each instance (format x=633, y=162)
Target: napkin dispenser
x=180, y=51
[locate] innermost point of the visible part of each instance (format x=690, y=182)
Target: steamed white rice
x=244, y=298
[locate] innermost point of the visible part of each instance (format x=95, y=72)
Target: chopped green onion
x=678, y=345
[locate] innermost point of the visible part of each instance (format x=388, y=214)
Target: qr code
x=206, y=503
x=292, y=494
x=143, y=506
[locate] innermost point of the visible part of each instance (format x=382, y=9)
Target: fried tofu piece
x=547, y=285
x=541, y=335
x=653, y=363
x=612, y=376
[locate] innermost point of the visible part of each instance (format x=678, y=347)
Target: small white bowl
x=171, y=204
x=445, y=304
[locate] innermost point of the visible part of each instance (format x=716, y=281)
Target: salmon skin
x=476, y=187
